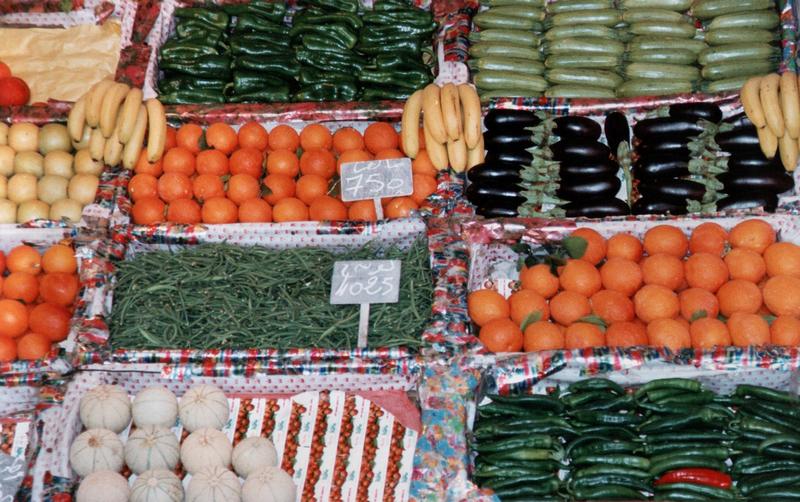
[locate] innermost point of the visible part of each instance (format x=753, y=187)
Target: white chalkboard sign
x=376, y=179
x=365, y=281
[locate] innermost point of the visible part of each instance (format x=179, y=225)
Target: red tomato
x=14, y=91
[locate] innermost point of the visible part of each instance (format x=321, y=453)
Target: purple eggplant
x=597, y=207
x=738, y=121
x=675, y=190
x=739, y=141
x=756, y=178
x=605, y=167
x=496, y=212
x=570, y=151
x=617, y=130
x=582, y=188
x=657, y=167
x=495, y=171
x=502, y=139
x=696, y=111
x=668, y=147
x=663, y=128
x=749, y=200
x=509, y=156
x=754, y=160
x=494, y=194
x=510, y=119
x=647, y=205
x=577, y=127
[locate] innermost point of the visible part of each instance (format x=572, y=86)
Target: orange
x=13, y=318
x=626, y=334
x=184, y=211
x=279, y=186
x=527, y=306
x=708, y=238
x=709, y=332
x=172, y=186
x=179, y=160
x=739, y=296
x=242, y=187
x=380, y=136
x=422, y=164
x=668, y=333
x=748, y=329
x=283, y=137
x=222, y=137
x=753, y=234
x=172, y=138
x=581, y=277
x=539, y=278
x=189, y=136
x=255, y=211
x=143, y=185
x=501, y=335
x=424, y=186
x=59, y=258
x=145, y=167
x=782, y=295
x=212, y=162
x=351, y=156
x=283, y=162
x=33, y=346
x=391, y=153
x=663, y=269
x=624, y=246
x=595, y=245
x=24, y=258
x=612, y=306
x=8, y=350
x=247, y=161
x=705, y=271
x=745, y=264
x=319, y=162
x=2, y=263
x=621, y=274
x=311, y=186
x=219, y=210
x=400, y=207
x=60, y=289
x=148, y=211
x=50, y=320
x=567, y=307
x=656, y=302
x=362, y=210
x=316, y=137
x=486, y=305
x=327, y=208
x=785, y=330
x=666, y=239
x=21, y=286
x=289, y=209
x=206, y=186
x=782, y=258
x=543, y=335
x=697, y=303
x=346, y=139
x=253, y=135
x=583, y=335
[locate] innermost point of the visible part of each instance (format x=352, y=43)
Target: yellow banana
x=436, y=151
x=471, y=114
x=789, y=152
x=768, y=142
x=133, y=148
x=770, y=103
x=77, y=119
x=432, y=113
x=457, y=154
x=110, y=108
x=451, y=112
x=790, y=104
x=751, y=101
x=409, y=125
x=94, y=101
x=128, y=114
x=97, y=144
x=475, y=155
x=112, y=152
x=157, y=129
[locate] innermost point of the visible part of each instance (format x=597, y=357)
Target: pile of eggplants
x=752, y=179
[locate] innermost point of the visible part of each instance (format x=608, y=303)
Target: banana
x=409, y=125
x=789, y=152
x=97, y=144
x=768, y=142
x=128, y=114
x=770, y=103
x=130, y=155
x=471, y=114
x=436, y=151
x=94, y=101
x=475, y=155
x=790, y=104
x=109, y=110
x=451, y=111
x=77, y=119
x=432, y=113
x=457, y=154
x=749, y=96
x=84, y=141
x=112, y=152
x=157, y=129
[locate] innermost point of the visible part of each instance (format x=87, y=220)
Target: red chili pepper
x=698, y=476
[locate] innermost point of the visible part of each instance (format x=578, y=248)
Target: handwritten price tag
x=376, y=179
x=365, y=282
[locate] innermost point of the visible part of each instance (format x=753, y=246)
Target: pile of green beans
x=220, y=296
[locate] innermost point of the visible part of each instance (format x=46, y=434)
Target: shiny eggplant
x=617, y=130
x=509, y=156
x=696, y=111
x=739, y=141
x=496, y=212
x=646, y=205
x=494, y=194
x=510, y=119
x=738, y=121
x=653, y=167
x=754, y=160
x=588, y=186
x=661, y=128
x=495, y=171
x=579, y=151
x=756, y=178
x=516, y=140
x=677, y=148
x=605, y=167
x=597, y=207
x=676, y=190
x=749, y=200
x=574, y=126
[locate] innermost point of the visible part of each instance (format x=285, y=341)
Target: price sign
x=376, y=179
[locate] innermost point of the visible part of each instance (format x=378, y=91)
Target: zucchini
x=680, y=29
x=597, y=207
x=673, y=56
x=596, y=61
x=573, y=5
x=740, y=68
x=526, y=3
x=651, y=87
x=707, y=9
x=487, y=20
x=496, y=80
x=510, y=119
x=484, y=49
x=500, y=63
x=582, y=30
x=652, y=16
x=515, y=37
x=661, y=71
x=487, y=95
x=739, y=36
x=519, y=11
x=603, y=17
x=584, y=46
x=666, y=43
x=578, y=91
x=597, y=78
x=676, y=5
x=725, y=84
x=763, y=20
x=739, y=52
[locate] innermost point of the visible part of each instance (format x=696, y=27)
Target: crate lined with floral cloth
x=366, y=426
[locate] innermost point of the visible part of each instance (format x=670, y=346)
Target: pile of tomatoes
x=219, y=175
x=13, y=90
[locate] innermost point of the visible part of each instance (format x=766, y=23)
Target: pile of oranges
x=38, y=292
x=223, y=176
x=715, y=288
